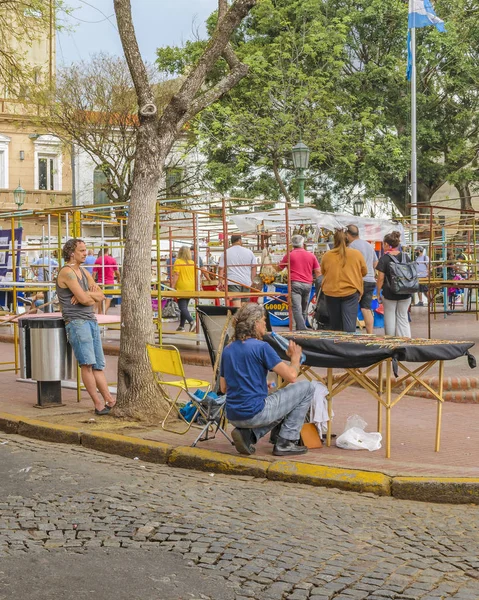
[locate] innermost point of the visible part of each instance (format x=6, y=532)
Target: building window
x=174, y=182
x=46, y=172
x=4, y=142
x=48, y=163
x=100, y=181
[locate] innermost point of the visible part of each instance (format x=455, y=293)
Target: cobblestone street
x=76, y=523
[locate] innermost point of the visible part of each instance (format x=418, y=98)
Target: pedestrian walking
x=422, y=264
x=369, y=280
x=304, y=269
x=396, y=306
x=184, y=280
x=343, y=270
x=105, y=271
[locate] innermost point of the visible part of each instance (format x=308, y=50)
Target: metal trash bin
x=51, y=359
x=24, y=348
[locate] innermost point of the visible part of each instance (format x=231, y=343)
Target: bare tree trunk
x=466, y=204
x=138, y=396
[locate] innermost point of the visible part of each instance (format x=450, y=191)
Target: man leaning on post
x=78, y=294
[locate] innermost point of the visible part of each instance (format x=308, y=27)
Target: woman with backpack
x=396, y=306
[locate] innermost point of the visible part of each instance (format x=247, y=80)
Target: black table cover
x=356, y=350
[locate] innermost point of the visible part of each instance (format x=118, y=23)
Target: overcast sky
x=157, y=23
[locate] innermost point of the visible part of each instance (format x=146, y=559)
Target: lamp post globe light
x=358, y=207
x=19, y=195
x=301, y=154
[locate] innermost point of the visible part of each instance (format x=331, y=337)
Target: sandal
x=103, y=411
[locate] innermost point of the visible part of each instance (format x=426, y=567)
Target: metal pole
x=14, y=279
x=444, y=270
x=413, y=140
x=225, y=248
x=196, y=262
x=48, y=270
x=74, y=183
x=301, y=179
x=290, y=307
x=158, y=275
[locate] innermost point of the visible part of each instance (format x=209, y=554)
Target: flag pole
x=413, y=138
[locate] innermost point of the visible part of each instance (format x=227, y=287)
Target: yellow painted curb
x=186, y=457
x=131, y=447
x=9, y=423
x=445, y=490
x=345, y=479
x=48, y=432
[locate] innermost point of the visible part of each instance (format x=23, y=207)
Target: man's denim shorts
x=84, y=338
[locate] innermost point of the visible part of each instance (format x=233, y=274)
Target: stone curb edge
x=426, y=489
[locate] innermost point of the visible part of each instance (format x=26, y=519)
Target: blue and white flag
x=421, y=14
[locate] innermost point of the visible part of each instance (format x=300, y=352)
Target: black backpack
x=403, y=276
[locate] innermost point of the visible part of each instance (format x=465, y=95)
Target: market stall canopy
x=369, y=229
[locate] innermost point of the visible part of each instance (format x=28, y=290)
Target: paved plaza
x=76, y=523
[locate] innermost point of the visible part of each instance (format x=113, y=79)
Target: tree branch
x=280, y=181
x=215, y=93
x=146, y=99
x=179, y=104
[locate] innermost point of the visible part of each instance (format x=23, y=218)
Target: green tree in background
x=334, y=73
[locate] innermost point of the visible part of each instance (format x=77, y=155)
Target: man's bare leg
x=102, y=386
x=368, y=319
x=107, y=304
x=89, y=381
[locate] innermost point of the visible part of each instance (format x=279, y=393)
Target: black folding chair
x=212, y=412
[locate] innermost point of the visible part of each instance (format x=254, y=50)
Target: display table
x=102, y=319
x=358, y=354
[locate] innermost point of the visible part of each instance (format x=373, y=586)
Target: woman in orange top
x=184, y=280
x=343, y=269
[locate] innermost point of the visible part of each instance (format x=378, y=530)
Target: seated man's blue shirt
x=245, y=366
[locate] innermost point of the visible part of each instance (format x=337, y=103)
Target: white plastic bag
x=355, y=421
x=355, y=438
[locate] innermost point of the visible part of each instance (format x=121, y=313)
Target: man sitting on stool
x=244, y=366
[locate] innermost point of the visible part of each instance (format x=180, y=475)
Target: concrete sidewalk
x=415, y=471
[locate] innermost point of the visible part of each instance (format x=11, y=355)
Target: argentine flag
x=421, y=14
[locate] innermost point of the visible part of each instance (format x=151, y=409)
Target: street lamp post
x=19, y=198
x=301, y=154
x=358, y=207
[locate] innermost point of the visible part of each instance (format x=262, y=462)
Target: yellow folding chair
x=166, y=361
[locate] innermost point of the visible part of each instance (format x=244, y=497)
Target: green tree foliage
x=295, y=61
x=333, y=72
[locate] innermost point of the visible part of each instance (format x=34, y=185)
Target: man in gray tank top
x=78, y=294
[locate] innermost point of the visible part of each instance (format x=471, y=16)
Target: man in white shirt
x=240, y=266
x=369, y=280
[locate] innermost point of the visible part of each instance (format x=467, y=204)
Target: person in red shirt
x=304, y=268
x=104, y=272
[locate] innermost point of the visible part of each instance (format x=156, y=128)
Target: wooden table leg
x=388, y=408
x=380, y=392
x=439, y=406
x=330, y=406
